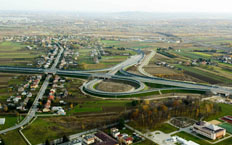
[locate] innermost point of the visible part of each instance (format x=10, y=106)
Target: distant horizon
x=112, y=12
x=109, y=6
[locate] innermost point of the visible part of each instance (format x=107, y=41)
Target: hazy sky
x=119, y=5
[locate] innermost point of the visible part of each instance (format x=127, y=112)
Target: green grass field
x=152, y=85
x=183, y=91
x=146, y=142
x=193, y=55
x=10, y=121
x=207, y=76
x=100, y=106
x=13, y=138
x=204, y=55
x=166, y=128
x=10, y=46
x=15, y=54
x=129, y=44
x=79, y=109
x=49, y=128
x=227, y=126
x=201, y=141
x=104, y=62
x=110, y=42
x=226, y=110
x=155, y=92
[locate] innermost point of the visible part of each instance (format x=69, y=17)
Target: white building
x=56, y=108
x=209, y=130
x=114, y=132
x=89, y=139
x=2, y=121
x=182, y=141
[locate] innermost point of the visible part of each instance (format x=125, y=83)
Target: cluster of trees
x=149, y=114
x=165, y=53
x=206, y=50
x=163, y=49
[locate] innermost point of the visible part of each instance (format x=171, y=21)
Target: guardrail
x=140, y=93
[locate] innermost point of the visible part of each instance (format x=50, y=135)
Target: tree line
x=149, y=114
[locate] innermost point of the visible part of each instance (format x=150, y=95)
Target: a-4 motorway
x=88, y=87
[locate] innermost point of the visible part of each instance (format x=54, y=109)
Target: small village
x=23, y=95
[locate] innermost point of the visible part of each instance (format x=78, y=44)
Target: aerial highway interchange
x=97, y=76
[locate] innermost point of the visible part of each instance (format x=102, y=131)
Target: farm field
x=192, y=55
x=168, y=73
x=131, y=44
x=204, y=75
x=104, y=62
x=15, y=54
x=211, y=74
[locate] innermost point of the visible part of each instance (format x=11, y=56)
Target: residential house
x=105, y=139
x=127, y=140
x=61, y=112
x=89, y=139
x=114, y=132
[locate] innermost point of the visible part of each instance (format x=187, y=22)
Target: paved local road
x=31, y=113
x=146, y=62
x=111, y=74
x=33, y=109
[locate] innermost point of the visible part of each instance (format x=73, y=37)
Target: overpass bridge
x=125, y=76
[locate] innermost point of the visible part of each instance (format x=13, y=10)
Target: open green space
x=13, y=138
x=55, y=127
x=225, y=110
x=51, y=128
x=129, y=44
x=10, y=46
x=80, y=109
x=9, y=122
x=110, y=42
x=16, y=54
x=192, y=55
x=104, y=62
x=146, y=142
x=182, y=91
x=166, y=128
x=99, y=106
x=201, y=141
x=154, y=92
x=152, y=85
x=204, y=55
x=227, y=126
x=205, y=76
x=41, y=130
